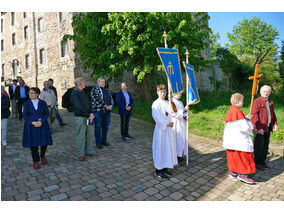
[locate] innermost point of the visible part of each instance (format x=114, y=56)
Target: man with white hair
x=82, y=112
x=102, y=104
x=264, y=121
x=49, y=97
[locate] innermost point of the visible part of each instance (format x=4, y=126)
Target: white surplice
x=164, y=153
x=237, y=135
x=179, y=133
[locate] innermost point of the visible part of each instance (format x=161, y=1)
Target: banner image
x=171, y=64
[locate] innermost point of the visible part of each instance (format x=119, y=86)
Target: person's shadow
x=276, y=168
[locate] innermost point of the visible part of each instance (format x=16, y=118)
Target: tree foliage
x=111, y=43
x=236, y=72
x=214, y=45
x=281, y=63
x=254, y=37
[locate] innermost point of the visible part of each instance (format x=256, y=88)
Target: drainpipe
x=35, y=49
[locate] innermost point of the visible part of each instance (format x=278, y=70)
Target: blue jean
x=58, y=117
x=102, y=121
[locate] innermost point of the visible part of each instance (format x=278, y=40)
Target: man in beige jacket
x=49, y=97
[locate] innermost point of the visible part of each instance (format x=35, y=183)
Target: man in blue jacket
x=125, y=104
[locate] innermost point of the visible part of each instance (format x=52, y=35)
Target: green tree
x=281, y=63
x=236, y=72
x=214, y=45
x=97, y=51
x=255, y=38
x=269, y=68
x=127, y=41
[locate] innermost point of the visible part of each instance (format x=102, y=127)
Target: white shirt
x=268, y=112
x=35, y=103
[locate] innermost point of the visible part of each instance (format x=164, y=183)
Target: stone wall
x=61, y=69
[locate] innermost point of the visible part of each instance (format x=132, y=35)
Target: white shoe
x=4, y=143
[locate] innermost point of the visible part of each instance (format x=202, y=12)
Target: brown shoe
x=92, y=155
x=266, y=166
x=81, y=158
x=259, y=166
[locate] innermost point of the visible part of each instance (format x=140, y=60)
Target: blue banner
x=192, y=96
x=171, y=64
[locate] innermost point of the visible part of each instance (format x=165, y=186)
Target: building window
x=3, y=69
x=26, y=32
x=64, y=49
x=14, y=64
x=12, y=18
x=62, y=16
x=2, y=44
x=13, y=38
x=24, y=14
x=27, y=61
x=40, y=24
x=42, y=56
x=2, y=25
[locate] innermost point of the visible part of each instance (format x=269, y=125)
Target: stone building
x=32, y=48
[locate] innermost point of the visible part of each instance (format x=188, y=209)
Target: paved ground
x=124, y=171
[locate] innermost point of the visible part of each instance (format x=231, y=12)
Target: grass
x=207, y=117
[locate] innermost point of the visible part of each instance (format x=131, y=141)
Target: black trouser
x=260, y=146
x=35, y=154
x=20, y=106
x=124, y=125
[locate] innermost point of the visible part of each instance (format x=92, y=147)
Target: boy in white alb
x=237, y=141
x=179, y=118
x=163, y=146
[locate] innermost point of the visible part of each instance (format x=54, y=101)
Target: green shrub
x=223, y=109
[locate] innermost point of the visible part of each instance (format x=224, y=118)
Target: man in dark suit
x=12, y=94
x=21, y=95
x=125, y=104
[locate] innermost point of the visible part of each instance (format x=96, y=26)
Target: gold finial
x=165, y=35
x=187, y=54
x=165, y=39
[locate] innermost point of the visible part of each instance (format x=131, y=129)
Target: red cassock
x=236, y=135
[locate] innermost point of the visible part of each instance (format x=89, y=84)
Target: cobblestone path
x=124, y=170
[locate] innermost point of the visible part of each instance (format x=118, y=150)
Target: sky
x=223, y=22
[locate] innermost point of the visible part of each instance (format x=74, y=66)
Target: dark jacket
x=121, y=103
x=81, y=103
x=54, y=90
x=98, y=104
x=18, y=93
x=12, y=95
x=5, y=105
x=260, y=115
x=36, y=136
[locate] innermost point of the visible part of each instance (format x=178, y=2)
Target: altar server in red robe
x=237, y=141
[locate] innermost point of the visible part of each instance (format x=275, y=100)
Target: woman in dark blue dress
x=36, y=129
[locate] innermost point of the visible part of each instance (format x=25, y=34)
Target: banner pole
x=169, y=85
x=186, y=53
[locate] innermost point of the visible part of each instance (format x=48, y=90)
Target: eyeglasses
x=32, y=93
